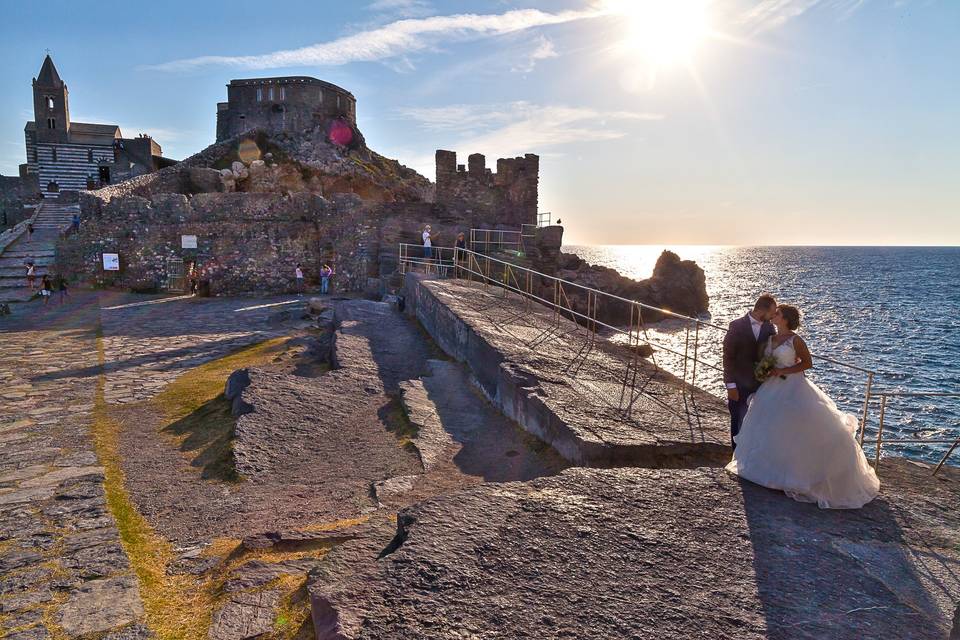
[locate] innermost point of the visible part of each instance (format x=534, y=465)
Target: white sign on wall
x=111, y=262
x=188, y=242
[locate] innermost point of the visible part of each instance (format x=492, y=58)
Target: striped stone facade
x=74, y=156
x=67, y=166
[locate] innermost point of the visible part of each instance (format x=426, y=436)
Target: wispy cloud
x=521, y=127
x=393, y=40
x=770, y=14
x=543, y=49
x=402, y=8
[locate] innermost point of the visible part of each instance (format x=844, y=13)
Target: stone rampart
x=508, y=196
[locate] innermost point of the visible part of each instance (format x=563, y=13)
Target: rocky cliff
x=677, y=285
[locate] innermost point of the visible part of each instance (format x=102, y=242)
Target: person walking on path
x=326, y=272
x=298, y=274
x=62, y=287
x=46, y=289
x=75, y=223
x=31, y=276
x=29, y=231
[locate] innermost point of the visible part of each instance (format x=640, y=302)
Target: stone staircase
x=52, y=219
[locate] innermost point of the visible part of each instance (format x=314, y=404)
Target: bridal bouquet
x=762, y=371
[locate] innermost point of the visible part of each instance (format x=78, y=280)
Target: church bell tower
x=51, y=110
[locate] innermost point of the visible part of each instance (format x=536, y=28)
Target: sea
x=891, y=310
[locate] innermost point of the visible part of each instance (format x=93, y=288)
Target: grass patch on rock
x=176, y=606
x=394, y=416
x=199, y=417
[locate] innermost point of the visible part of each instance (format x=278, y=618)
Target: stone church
x=65, y=155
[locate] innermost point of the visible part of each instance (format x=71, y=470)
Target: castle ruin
x=508, y=196
x=292, y=103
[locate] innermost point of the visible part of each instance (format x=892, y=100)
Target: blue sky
x=721, y=122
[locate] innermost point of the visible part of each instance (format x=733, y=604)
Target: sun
x=665, y=33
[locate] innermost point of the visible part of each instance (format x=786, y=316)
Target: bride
x=794, y=438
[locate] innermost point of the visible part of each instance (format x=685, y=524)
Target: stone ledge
x=557, y=386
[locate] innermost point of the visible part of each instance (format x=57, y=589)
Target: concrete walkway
x=566, y=389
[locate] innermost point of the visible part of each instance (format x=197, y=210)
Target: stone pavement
x=62, y=568
x=653, y=554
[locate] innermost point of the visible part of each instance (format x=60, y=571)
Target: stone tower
x=51, y=109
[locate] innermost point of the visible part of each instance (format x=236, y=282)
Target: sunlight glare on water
x=893, y=310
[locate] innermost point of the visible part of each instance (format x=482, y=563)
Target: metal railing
x=439, y=261
x=532, y=285
x=543, y=218
x=487, y=239
x=881, y=441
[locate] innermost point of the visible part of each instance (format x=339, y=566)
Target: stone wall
x=246, y=241
x=15, y=194
x=508, y=196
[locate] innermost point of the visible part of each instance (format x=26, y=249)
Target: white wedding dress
x=794, y=439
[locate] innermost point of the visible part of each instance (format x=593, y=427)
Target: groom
x=741, y=352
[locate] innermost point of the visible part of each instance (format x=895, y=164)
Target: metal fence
x=635, y=335
x=483, y=240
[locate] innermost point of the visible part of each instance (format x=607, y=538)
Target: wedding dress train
x=794, y=439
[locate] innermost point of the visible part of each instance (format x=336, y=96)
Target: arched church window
x=50, y=103
x=259, y=94
x=51, y=123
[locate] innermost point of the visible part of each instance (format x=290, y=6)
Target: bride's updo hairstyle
x=791, y=314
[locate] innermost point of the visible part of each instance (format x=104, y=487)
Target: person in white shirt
x=741, y=352
x=298, y=274
x=427, y=243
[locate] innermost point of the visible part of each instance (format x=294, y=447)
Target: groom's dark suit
x=741, y=350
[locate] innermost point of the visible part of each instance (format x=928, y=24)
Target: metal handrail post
x=883, y=410
x=866, y=407
x=945, y=456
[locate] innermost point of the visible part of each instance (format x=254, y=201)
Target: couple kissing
x=787, y=434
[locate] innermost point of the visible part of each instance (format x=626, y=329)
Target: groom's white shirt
x=756, y=325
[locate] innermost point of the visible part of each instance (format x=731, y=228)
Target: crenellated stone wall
x=508, y=196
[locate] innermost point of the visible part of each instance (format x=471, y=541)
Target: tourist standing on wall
x=325, y=274
x=427, y=243
x=298, y=273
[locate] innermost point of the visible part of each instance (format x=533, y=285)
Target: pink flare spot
x=341, y=133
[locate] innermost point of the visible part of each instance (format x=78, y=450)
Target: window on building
x=54, y=153
x=283, y=93
x=50, y=103
x=89, y=155
x=338, y=102
x=259, y=94
x=51, y=123
x=271, y=93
